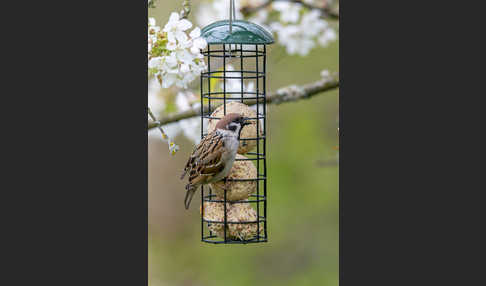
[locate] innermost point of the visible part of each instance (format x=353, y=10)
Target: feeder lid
x=244, y=32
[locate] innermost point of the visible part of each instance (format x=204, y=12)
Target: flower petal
x=184, y=25
x=196, y=33
x=174, y=17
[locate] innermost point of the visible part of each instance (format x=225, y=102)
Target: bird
x=212, y=159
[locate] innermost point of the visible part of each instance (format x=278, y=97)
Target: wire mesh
x=250, y=68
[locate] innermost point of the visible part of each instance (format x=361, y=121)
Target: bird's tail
x=191, y=190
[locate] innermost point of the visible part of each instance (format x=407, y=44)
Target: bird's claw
x=226, y=183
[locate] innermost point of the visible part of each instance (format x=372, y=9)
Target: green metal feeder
x=244, y=44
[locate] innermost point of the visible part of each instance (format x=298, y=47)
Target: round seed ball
x=243, y=212
x=238, y=212
x=249, y=131
x=215, y=212
x=237, y=190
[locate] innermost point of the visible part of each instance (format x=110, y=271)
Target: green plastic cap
x=243, y=32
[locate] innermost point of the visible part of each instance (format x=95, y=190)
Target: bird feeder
x=236, y=212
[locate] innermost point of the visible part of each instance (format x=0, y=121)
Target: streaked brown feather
x=213, y=170
x=204, y=162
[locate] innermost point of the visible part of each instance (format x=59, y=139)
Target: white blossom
x=173, y=129
x=289, y=12
x=260, y=18
x=175, y=57
x=301, y=38
x=175, y=28
x=328, y=36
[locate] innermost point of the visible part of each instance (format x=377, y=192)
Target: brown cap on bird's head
x=231, y=117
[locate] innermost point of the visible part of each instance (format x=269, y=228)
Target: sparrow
x=212, y=159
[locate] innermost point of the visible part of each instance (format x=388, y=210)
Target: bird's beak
x=245, y=121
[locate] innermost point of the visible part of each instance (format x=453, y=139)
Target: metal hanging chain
x=232, y=13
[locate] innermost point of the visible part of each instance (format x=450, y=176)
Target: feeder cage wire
x=244, y=45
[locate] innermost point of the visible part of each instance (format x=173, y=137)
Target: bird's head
x=233, y=122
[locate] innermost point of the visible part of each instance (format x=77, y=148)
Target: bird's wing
x=206, y=159
x=196, y=153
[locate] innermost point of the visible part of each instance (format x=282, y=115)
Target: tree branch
x=327, y=12
x=287, y=94
x=186, y=9
x=173, y=148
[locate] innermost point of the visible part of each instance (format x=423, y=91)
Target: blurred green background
x=303, y=191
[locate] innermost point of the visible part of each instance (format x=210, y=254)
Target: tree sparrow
x=213, y=157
